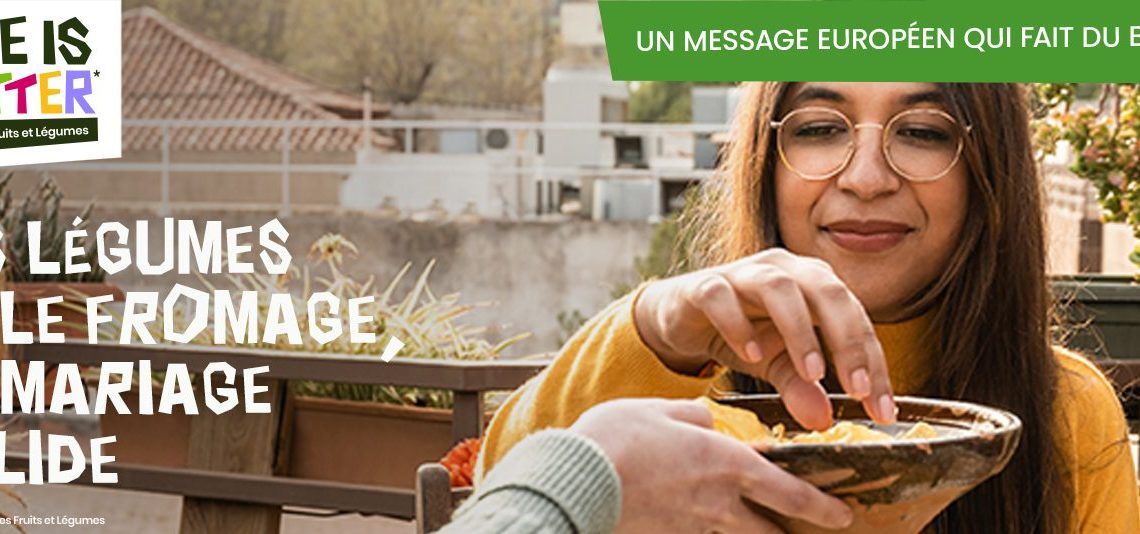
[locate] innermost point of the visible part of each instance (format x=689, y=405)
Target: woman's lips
x=867, y=236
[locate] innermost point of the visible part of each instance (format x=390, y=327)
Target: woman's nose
x=869, y=175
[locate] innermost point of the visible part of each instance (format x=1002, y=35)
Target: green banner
x=873, y=40
x=39, y=132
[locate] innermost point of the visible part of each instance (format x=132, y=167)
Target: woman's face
x=885, y=236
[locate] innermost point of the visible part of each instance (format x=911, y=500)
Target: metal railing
x=531, y=166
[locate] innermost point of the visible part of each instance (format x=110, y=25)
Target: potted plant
x=43, y=204
x=1104, y=137
x=334, y=421
x=329, y=424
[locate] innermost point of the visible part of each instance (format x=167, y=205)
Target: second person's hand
x=678, y=475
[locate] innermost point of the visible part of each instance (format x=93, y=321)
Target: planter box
x=159, y=439
x=1110, y=305
x=73, y=321
x=363, y=442
x=323, y=439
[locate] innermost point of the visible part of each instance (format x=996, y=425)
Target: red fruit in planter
x=460, y=462
x=456, y=482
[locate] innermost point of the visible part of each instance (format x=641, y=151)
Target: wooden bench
x=230, y=485
x=435, y=498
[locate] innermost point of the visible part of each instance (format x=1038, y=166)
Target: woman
x=905, y=221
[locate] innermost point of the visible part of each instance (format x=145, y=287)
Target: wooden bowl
x=894, y=487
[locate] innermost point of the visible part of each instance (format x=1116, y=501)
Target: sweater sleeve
x=605, y=360
x=1103, y=473
x=554, y=482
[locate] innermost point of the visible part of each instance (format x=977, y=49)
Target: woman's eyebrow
x=925, y=97
x=818, y=93
x=822, y=93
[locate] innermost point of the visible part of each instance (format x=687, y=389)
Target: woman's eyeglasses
x=920, y=144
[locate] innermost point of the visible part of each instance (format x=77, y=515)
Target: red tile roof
x=171, y=72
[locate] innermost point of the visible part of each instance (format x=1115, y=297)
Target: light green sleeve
x=553, y=481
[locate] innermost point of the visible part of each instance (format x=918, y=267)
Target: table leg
x=468, y=415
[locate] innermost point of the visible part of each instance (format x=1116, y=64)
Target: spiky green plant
x=429, y=325
x=42, y=204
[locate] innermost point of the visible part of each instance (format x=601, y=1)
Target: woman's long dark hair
x=992, y=304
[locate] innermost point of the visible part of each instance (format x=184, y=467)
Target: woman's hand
x=678, y=475
x=756, y=315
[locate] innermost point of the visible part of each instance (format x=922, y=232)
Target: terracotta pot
x=895, y=487
x=364, y=442
x=159, y=439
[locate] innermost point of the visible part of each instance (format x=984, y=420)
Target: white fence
x=524, y=163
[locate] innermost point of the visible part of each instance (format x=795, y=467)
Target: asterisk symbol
x=96, y=74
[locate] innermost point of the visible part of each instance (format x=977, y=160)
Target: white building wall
x=582, y=24
x=490, y=181
x=574, y=95
x=1118, y=242
x=1066, y=201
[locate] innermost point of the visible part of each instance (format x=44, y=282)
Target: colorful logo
x=60, y=81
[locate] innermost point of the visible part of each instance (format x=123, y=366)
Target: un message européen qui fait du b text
x=912, y=37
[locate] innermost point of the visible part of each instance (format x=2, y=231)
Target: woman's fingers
x=859, y=360
x=806, y=401
x=717, y=299
x=778, y=292
x=793, y=294
x=855, y=350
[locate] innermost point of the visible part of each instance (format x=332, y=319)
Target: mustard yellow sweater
x=607, y=359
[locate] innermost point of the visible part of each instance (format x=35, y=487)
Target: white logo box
x=103, y=22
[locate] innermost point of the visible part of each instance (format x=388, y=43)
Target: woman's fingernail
x=813, y=362
x=860, y=384
x=752, y=350
x=846, y=517
x=887, y=410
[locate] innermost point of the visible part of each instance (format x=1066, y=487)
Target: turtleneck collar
x=908, y=349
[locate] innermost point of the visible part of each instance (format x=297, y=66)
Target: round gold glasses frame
x=886, y=128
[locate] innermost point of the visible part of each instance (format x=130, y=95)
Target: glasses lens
x=923, y=144
x=815, y=143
